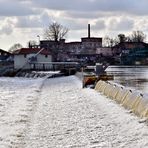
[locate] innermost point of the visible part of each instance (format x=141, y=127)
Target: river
x=134, y=77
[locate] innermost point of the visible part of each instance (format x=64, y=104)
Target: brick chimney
x=88, y=30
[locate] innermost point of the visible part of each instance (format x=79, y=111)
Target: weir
x=130, y=99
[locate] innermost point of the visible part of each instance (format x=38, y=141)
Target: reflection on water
x=135, y=77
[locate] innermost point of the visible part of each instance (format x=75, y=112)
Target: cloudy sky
x=23, y=20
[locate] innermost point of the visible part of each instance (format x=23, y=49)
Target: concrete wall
x=19, y=61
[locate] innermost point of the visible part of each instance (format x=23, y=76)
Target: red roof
x=31, y=51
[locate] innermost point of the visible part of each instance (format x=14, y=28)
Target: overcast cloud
x=19, y=18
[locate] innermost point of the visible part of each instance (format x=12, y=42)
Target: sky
x=23, y=20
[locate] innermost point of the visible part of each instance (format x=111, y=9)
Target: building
x=6, y=62
x=24, y=57
x=5, y=56
x=132, y=53
x=105, y=51
x=126, y=47
x=73, y=51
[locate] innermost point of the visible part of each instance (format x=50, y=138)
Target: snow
x=58, y=113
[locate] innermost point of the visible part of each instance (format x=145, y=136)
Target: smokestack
x=88, y=30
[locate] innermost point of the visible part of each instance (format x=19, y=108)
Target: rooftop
x=31, y=51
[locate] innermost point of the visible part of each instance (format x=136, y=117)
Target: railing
x=52, y=65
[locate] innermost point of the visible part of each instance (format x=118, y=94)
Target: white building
x=24, y=56
x=105, y=51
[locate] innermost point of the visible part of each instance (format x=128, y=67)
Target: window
x=24, y=55
x=46, y=56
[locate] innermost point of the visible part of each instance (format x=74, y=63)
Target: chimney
x=88, y=30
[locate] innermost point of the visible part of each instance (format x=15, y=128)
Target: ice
x=58, y=113
x=17, y=99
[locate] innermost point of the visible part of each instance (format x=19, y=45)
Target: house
x=6, y=62
x=25, y=57
x=5, y=56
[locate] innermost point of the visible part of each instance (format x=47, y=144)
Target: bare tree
x=110, y=42
x=106, y=41
x=137, y=36
x=15, y=47
x=122, y=38
x=32, y=43
x=55, y=32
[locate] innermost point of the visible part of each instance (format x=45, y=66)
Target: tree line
x=135, y=36
x=56, y=31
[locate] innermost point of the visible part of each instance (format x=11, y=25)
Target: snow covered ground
x=58, y=113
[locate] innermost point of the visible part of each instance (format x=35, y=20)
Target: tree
x=15, y=47
x=32, y=43
x=137, y=36
x=55, y=32
x=121, y=38
x=110, y=42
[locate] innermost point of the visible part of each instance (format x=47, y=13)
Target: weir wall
x=130, y=99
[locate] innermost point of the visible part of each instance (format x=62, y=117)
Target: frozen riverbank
x=61, y=114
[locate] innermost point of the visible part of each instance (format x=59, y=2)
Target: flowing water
x=134, y=77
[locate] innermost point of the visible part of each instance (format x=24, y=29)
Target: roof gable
x=3, y=51
x=31, y=51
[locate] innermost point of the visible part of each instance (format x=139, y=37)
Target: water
x=134, y=77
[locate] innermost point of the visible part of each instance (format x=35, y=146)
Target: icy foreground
x=58, y=113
